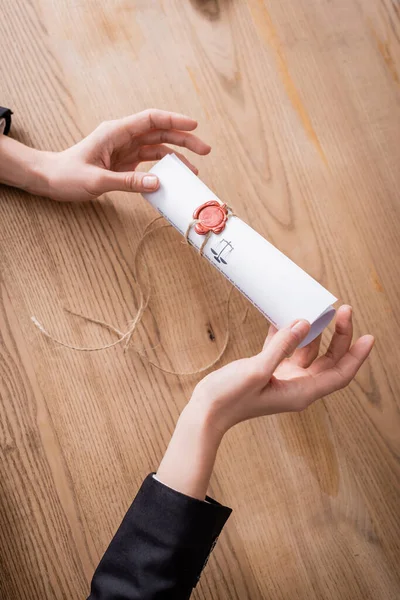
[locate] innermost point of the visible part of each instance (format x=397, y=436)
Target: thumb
x=281, y=346
x=132, y=181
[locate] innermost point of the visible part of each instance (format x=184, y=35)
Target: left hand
x=107, y=159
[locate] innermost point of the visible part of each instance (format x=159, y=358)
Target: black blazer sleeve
x=161, y=547
x=5, y=120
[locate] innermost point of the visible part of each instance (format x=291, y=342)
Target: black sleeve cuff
x=187, y=518
x=5, y=113
x=161, y=547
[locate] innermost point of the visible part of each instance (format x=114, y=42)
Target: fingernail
x=300, y=327
x=150, y=182
x=370, y=338
x=347, y=308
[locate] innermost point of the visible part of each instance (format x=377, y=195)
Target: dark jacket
x=160, y=548
x=164, y=541
x=5, y=114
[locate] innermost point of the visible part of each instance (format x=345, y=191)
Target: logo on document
x=222, y=252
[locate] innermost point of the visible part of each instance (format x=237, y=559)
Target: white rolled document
x=281, y=290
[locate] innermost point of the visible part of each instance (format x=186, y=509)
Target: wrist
x=198, y=421
x=24, y=167
x=39, y=170
x=211, y=412
x=189, y=460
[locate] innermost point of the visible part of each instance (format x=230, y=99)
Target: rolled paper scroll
x=281, y=290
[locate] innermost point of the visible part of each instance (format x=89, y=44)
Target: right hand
x=281, y=378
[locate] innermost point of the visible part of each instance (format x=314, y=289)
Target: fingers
x=149, y=153
x=281, y=346
x=340, y=343
x=304, y=357
x=156, y=119
x=177, y=138
x=340, y=375
x=271, y=332
x=134, y=181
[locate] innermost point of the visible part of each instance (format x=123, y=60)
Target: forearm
x=23, y=167
x=189, y=460
x=168, y=533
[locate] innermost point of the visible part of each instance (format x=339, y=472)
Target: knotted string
x=144, y=298
x=208, y=234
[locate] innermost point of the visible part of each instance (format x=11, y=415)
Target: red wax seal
x=211, y=216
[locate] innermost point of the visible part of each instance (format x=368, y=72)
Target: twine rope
x=144, y=299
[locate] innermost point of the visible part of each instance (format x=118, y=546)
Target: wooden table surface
x=301, y=103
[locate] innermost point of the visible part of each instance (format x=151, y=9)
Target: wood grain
x=301, y=103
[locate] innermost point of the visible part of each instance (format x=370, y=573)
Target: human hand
x=281, y=378
x=107, y=159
